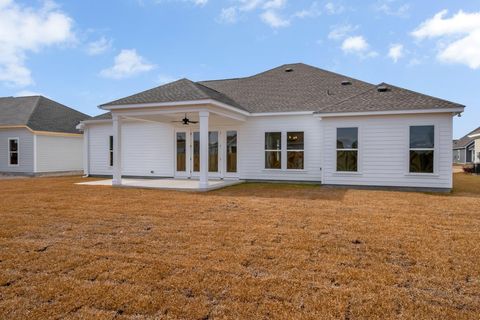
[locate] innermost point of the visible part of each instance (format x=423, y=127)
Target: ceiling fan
x=185, y=121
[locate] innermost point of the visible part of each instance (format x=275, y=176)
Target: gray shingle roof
x=393, y=99
x=103, y=116
x=291, y=87
x=40, y=114
x=465, y=140
x=180, y=90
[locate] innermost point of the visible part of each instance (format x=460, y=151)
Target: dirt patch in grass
x=254, y=251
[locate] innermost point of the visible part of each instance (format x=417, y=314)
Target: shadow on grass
x=283, y=190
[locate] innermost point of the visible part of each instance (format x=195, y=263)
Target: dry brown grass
x=252, y=251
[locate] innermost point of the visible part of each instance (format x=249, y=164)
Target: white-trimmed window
x=422, y=149
x=110, y=151
x=273, y=150
x=347, y=149
x=295, y=150
x=13, y=151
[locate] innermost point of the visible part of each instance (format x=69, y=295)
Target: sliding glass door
x=213, y=152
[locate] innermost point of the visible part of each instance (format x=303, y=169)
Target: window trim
x=111, y=151
x=294, y=150
x=9, y=152
x=283, y=151
x=434, y=149
x=359, y=168
x=265, y=150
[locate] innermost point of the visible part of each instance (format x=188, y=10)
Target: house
x=467, y=149
x=292, y=123
x=38, y=136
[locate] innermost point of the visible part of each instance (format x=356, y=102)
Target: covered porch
x=204, y=147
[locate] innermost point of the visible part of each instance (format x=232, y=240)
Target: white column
x=203, y=149
x=86, y=156
x=117, y=150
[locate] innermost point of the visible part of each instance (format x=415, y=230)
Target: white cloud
x=275, y=4
x=274, y=20
x=25, y=30
x=249, y=5
x=396, y=52
x=339, y=32
x=200, y=3
x=127, y=64
x=358, y=45
x=390, y=8
x=27, y=93
x=459, y=37
x=228, y=15
x=334, y=8
x=98, y=47
x=312, y=11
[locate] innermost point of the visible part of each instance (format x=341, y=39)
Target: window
x=231, y=151
x=110, y=151
x=13, y=152
x=422, y=145
x=273, y=150
x=181, y=151
x=295, y=150
x=347, y=149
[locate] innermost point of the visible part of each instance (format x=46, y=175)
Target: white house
x=292, y=123
x=38, y=136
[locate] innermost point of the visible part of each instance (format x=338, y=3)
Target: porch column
x=117, y=150
x=203, y=149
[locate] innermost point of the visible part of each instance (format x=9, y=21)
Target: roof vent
x=346, y=83
x=288, y=70
x=382, y=88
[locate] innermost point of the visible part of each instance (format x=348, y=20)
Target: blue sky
x=84, y=53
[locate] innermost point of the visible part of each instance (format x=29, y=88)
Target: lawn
x=253, y=251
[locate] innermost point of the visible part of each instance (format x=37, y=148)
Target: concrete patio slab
x=169, y=184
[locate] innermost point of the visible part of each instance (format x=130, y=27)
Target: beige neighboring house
x=38, y=137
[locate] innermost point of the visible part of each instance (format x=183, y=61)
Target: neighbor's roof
x=464, y=141
x=39, y=114
x=291, y=87
x=392, y=98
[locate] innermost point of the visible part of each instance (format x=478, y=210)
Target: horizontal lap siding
x=384, y=148
x=477, y=151
x=252, y=153
x=146, y=147
x=56, y=154
x=25, y=155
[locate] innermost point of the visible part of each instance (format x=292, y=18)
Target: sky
x=89, y=52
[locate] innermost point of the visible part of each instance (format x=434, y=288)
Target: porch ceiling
x=173, y=117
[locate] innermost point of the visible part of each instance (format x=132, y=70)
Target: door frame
x=222, y=153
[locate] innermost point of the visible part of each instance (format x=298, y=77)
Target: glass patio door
x=213, y=153
x=181, y=154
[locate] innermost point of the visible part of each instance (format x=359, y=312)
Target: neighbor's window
x=422, y=145
x=347, y=149
x=110, y=153
x=295, y=150
x=13, y=152
x=273, y=150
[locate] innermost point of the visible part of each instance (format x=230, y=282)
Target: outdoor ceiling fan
x=185, y=121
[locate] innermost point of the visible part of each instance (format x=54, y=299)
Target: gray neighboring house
x=466, y=150
x=38, y=136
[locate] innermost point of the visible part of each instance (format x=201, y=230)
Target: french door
x=222, y=153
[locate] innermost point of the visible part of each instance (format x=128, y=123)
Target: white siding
x=57, y=154
x=477, y=151
x=384, y=151
x=25, y=155
x=251, y=147
x=146, y=147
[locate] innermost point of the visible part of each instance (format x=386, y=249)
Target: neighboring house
x=292, y=123
x=467, y=149
x=38, y=136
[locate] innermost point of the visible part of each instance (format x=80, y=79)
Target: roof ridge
x=37, y=103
